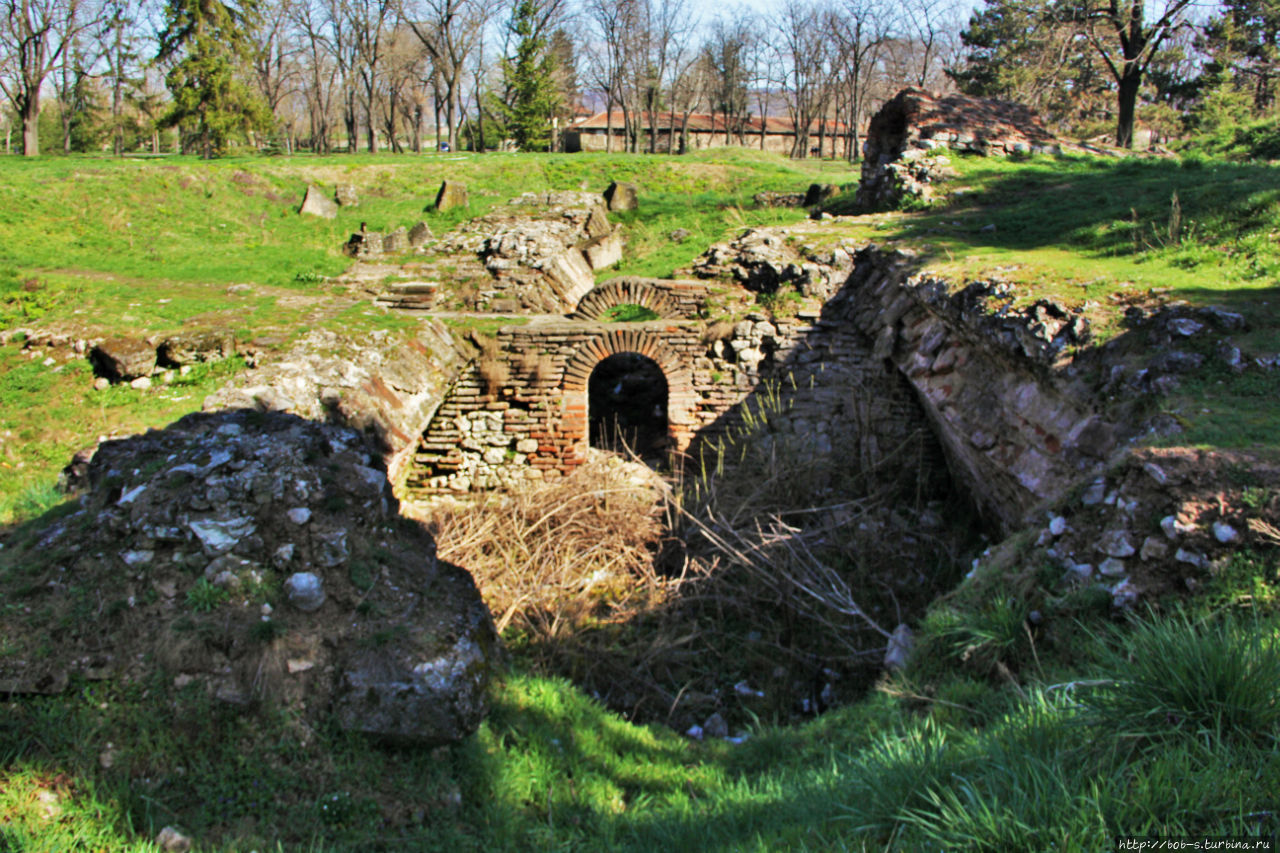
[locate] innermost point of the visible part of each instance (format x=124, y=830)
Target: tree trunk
x=608, y=125
x=1130, y=82
x=349, y=120
x=31, y=125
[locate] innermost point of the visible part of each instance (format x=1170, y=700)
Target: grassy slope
x=1101, y=234
x=954, y=755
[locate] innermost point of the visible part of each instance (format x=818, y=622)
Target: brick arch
x=611, y=294
x=681, y=397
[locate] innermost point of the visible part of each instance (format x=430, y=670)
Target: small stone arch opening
x=627, y=402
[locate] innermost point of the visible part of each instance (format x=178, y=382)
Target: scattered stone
x=1095, y=494
x=101, y=383
x=715, y=727
x=679, y=235
x=142, y=383
x=220, y=535
x=901, y=641
x=1111, y=567
x=316, y=203
x=1057, y=525
x=1190, y=558
x=333, y=548
x=171, y=840
x=1124, y=594
x=1153, y=548
x=1224, y=533
x=1115, y=543
x=452, y=194
x=1184, y=326
x=123, y=359
x=621, y=195
x=299, y=515
x=1226, y=320
x=345, y=195
x=137, y=558
x=694, y=732
x=989, y=228
x=1173, y=528
x=1157, y=473
x=305, y=591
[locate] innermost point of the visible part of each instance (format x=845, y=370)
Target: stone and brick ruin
x=897, y=156
x=539, y=252
x=522, y=412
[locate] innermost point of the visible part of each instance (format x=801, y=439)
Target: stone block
x=419, y=234
x=621, y=195
x=452, y=194
x=396, y=241
x=197, y=346
x=345, y=195
x=123, y=359
x=316, y=203
x=597, y=224
x=604, y=252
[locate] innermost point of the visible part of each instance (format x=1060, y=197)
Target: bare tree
x=802, y=32
x=725, y=59
x=862, y=29
x=322, y=68
x=668, y=25
x=275, y=57
x=35, y=36
x=614, y=23
x=449, y=30
x=931, y=28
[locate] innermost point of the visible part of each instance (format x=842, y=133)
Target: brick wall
x=522, y=414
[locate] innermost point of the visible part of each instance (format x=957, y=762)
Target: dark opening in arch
x=627, y=405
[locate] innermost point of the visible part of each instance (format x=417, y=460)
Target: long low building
x=702, y=130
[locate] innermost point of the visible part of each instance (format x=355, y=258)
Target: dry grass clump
x=554, y=559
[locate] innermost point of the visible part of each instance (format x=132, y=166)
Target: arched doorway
x=627, y=399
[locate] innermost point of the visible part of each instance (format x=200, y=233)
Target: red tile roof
x=704, y=123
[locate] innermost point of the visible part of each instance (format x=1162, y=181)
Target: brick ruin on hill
x=902, y=136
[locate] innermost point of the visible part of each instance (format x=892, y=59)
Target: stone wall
x=521, y=413
x=382, y=384
x=1018, y=426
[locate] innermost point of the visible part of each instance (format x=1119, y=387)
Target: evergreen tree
x=530, y=80
x=208, y=40
x=1244, y=46
x=1024, y=52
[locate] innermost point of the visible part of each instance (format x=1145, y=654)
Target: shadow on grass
x=1188, y=214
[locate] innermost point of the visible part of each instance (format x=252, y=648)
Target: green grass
x=47, y=413
x=1083, y=227
x=551, y=769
